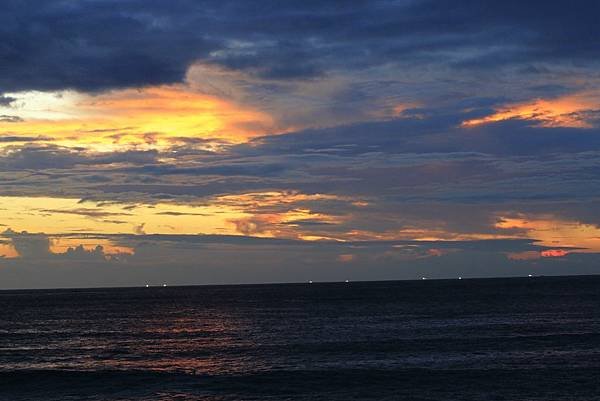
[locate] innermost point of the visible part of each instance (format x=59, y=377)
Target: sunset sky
x=198, y=142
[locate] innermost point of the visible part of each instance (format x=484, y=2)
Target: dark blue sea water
x=495, y=339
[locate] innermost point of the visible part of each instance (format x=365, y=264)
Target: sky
x=208, y=142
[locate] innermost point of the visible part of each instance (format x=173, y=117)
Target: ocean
x=517, y=339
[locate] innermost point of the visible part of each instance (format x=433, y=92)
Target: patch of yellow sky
x=68, y=215
x=58, y=218
x=118, y=118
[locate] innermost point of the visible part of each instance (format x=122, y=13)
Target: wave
x=468, y=384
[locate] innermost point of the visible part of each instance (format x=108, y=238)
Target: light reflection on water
x=227, y=341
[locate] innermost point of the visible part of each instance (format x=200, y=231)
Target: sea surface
x=515, y=339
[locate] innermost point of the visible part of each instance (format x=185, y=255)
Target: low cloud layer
x=180, y=260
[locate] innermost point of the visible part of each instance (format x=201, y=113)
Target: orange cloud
x=565, y=111
x=346, y=258
x=436, y=252
x=533, y=255
x=400, y=108
x=8, y=251
x=554, y=253
x=285, y=224
x=550, y=231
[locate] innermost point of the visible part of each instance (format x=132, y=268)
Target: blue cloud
x=106, y=44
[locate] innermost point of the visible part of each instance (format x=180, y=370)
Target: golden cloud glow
x=418, y=234
x=268, y=217
x=560, y=112
x=8, y=251
x=63, y=244
x=399, y=109
x=284, y=224
x=150, y=116
x=67, y=220
x=246, y=214
x=273, y=198
x=346, y=258
x=69, y=216
x=555, y=233
x=534, y=255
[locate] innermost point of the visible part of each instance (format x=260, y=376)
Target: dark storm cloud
x=92, y=45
